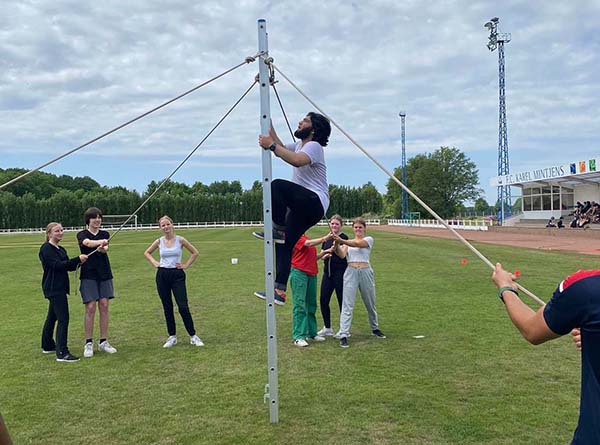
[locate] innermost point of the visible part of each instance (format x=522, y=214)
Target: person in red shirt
x=303, y=281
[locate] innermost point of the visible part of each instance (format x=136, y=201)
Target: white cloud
x=73, y=70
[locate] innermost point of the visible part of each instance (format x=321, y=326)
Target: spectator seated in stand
x=576, y=209
x=583, y=222
x=573, y=224
x=586, y=207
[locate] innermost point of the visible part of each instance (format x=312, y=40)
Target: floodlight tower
x=497, y=41
x=404, y=215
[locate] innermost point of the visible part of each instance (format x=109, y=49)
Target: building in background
x=553, y=190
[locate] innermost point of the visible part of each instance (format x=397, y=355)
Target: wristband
x=272, y=147
x=506, y=288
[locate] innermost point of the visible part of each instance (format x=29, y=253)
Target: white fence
x=187, y=225
x=462, y=224
x=154, y=226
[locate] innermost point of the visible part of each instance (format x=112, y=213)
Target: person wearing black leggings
x=170, y=279
x=300, y=203
x=333, y=275
x=55, y=284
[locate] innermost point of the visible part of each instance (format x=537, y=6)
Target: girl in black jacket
x=55, y=284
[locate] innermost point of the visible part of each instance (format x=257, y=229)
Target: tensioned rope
x=283, y=111
x=246, y=61
x=404, y=187
x=164, y=181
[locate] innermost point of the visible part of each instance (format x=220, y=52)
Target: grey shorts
x=93, y=290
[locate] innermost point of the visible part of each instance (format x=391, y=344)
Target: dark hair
x=321, y=128
x=92, y=212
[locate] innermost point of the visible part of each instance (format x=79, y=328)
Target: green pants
x=304, y=296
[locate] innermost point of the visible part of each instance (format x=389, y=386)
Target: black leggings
x=173, y=280
x=295, y=210
x=58, y=311
x=329, y=283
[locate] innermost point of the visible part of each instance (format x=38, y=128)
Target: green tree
x=443, y=179
x=481, y=205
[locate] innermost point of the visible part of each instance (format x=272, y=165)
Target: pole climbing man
x=575, y=308
x=300, y=203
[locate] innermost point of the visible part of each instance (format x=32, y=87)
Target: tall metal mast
x=272, y=387
x=497, y=40
x=404, y=215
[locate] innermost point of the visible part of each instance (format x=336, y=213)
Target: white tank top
x=360, y=254
x=170, y=256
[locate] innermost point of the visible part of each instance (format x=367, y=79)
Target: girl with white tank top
x=170, y=279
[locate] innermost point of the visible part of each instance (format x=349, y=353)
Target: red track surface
x=543, y=241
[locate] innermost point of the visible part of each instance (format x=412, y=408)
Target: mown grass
x=470, y=380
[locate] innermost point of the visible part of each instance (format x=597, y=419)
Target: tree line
x=444, y=179
x=43, y=197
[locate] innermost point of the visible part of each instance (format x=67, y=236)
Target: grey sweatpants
x=363, y=280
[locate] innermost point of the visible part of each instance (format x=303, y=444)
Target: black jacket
x=56, y=264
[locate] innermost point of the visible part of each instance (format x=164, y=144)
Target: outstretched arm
x=317, y=241
x=531, y=324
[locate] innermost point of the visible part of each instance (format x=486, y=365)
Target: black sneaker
x=278, y=236
x=67, y=357
x=344, y=342
x=48, y=351
x=377, y=333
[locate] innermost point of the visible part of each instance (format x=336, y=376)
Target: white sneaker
x=195, y=340
x=317, y=338
x=106, y=347
x=326, y=332
x=301, y=343
x=88, y=350
x=171, y=341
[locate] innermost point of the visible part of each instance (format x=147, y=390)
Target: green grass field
x=470, y=380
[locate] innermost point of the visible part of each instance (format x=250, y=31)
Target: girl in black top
x=333, y=274
x=96, y=281
x=55, y=284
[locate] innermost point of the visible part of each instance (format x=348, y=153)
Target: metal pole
x=272, y=387
x=404, y=212
x=503, y=164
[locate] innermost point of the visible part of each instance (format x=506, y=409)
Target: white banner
x=546, y=173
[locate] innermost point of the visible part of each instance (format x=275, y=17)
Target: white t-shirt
x=312, y=176
x=360, y=254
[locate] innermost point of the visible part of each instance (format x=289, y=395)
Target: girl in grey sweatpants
x=358, y=276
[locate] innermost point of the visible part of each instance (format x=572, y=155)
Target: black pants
x=329, y=283
x=173, y=281
x=295, y=210
x=58, y=311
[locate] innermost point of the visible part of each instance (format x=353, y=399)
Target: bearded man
x=302, y=202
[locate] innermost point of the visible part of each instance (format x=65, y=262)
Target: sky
x=72, y=70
